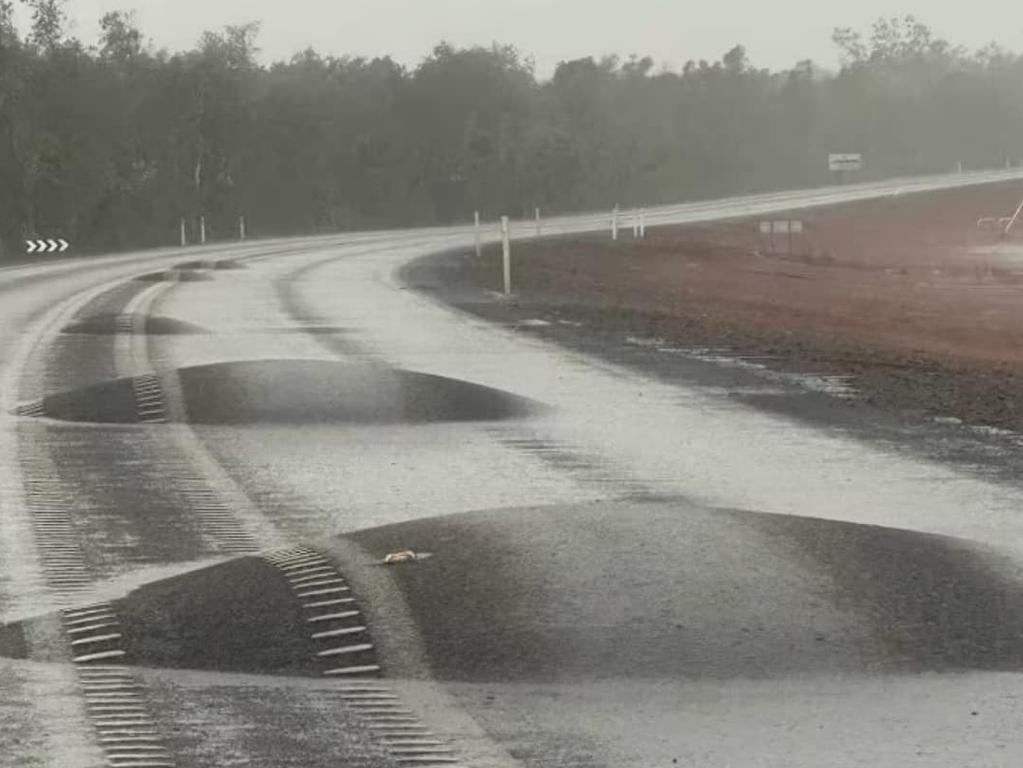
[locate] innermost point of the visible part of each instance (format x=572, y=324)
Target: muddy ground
x=906, y=295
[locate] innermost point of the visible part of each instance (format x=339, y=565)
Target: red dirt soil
x=897, y=274
x=906, y=284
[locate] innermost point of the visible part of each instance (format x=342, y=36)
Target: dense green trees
x=112, y=146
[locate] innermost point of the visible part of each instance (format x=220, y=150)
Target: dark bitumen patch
x=174, y=275
x=109, y=402
x=315, y=330
x=236, y=617
x=210, y=264
x=192, y=276
x=110, y=323
x=936, y=603
x=299, y=392
x=156, y=277
x=311, y=391
x=241, y=616
x=664, y=591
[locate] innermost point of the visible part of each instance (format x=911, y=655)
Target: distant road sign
x=769, y=230
x=781, y=227
x=47, y=246
x=846, y=162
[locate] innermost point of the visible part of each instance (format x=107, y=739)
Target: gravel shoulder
x=903, y=301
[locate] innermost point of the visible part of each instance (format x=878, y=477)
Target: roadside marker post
x=184, y=240
x=782, y=227
x=635, y=223
x=538, y=222
x=202, y=230
x=642, y=224
x=479, y=245
x=241, y=227
x=506, y=253
x=614, y=223
x=795, y=228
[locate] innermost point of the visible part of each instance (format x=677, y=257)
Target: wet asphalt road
x=584, y=623
x=667, y=591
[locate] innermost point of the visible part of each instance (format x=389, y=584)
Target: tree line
x=112, y=145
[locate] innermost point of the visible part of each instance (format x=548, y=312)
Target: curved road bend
x=605, y=434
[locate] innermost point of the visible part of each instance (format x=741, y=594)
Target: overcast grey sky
x=776, y=33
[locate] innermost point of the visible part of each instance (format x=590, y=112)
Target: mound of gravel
x=297, y=392
x=109, y=402
x=671, y=590
x=240, y=616
x=311, y=391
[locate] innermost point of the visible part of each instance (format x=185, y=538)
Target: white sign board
x=847, y=162
x=781, y=227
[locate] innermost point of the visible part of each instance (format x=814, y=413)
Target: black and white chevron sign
x=47, y=246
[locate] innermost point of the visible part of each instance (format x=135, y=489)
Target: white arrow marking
x=31, y=246
x=53, y=245
x=63, y=245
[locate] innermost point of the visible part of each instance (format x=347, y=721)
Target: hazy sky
x=776, y=33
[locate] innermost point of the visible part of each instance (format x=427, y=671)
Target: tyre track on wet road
x=27, y=578
x=44, y=560
x=114, y=700
x=334, y=617
x=394, y=726
x=585, y=467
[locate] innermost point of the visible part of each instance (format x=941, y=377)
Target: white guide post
x=506, y=253
x=241, y=227
x=614, y=223
x=479, y=243
x=184, y=240
x=202, y=230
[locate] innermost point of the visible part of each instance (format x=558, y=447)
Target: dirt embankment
x=903, y=293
